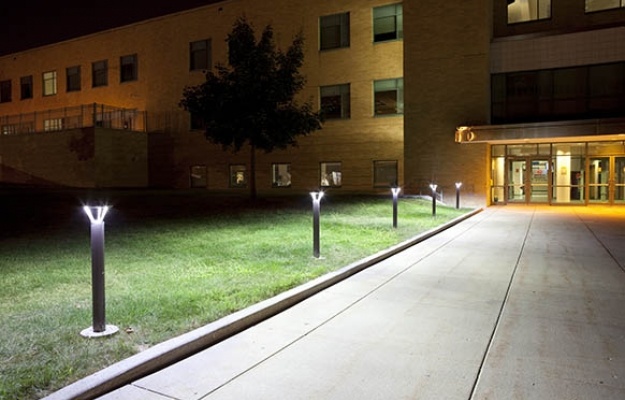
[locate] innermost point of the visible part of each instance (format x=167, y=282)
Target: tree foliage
x=251, y=101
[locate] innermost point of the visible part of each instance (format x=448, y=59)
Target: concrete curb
x=171, y=351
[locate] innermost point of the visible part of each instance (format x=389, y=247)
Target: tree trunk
x=252, y=172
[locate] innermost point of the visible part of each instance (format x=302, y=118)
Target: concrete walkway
x=513, y=303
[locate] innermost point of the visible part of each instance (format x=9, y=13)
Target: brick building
x=521, y=101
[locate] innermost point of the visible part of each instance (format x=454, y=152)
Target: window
x=335, y=101
x=54, y=124
x=100, y=73
x=73, y=79
x=49, y=83
x=528, y=10
x=198, y=176
x=9, y=129
x=200, y=55
x=334, y=31
x=389, y=96
x=330, y=174
x=598, y=5
x=5, y=91
x=281, y=175
x=388, y=23
x=385, y=173
x=238, y=176
x=26, y=87
x=128, y=68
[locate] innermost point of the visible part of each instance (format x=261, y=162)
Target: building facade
x=521, y=101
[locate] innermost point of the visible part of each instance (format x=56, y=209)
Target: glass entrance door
x=599, y=179
x=619, y=179
x=528, y=180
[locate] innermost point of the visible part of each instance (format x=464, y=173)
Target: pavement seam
x=621, y=266
x=501, y=312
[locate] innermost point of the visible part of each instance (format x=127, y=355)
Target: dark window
x=335, y=101
x=385, y=173
x=593, y=91
x=334, y=31
x=73, y=79
x=5, y=91
x=99, y=73
x=26, y=87
x=128, y=68
x=389, y=96
x=388, y=23
x=200, y=55
x=198, y=178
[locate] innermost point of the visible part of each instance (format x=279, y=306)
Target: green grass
x=174, y=261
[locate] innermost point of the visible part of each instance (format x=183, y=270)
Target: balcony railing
x=88, y=115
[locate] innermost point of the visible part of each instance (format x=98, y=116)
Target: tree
x=251, y=101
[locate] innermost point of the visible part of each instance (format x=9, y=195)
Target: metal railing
x=88, y=115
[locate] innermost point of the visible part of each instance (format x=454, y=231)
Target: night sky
x=26, y=24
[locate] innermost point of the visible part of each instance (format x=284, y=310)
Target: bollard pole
x=433, y=187
x=316, y=197
x=99, y=326
x=458, y=185
x=395, y=191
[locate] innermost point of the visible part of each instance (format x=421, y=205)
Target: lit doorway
x=528, y=180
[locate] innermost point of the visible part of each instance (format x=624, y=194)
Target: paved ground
x=513, y=303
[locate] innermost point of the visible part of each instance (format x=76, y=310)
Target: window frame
x=397, y=15
x=235, y=171
x=128, y=68
x=195, y=55
x=6, y=91
x=377, y=164
x=277, y=175
x=26, y=87
x=49, y=86
x=73, y=79
x=342, y=25
x=335, y=174
x=198, y=176
x=99, y=73
x=53, y=124
x=344, y=100
x=399, y=96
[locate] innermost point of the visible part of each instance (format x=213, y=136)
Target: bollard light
x=433, y=187
x=316, y=197
x=458, y=185
x=395, y=191
x=99, y=328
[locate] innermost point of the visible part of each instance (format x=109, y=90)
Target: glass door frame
x=529, y=185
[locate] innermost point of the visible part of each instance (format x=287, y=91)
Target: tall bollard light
x=433, y=187
x=395, y=191
x=316, y=198
x=99, y=327
x=458, y=185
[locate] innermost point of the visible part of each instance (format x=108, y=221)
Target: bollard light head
x=316, y=196
x=395, y=190
x=458, y=185
x=433, y=186
x=98, y=216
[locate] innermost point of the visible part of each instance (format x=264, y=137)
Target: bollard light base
x=108, y=331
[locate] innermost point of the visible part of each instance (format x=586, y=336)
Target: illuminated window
x=598, y=5
x=334, y=31
x=330, y=174
x=9, y=129
x=26, y=87
x=198, y=176
x=200, y=55
x=49, y=83
x=281, y=175
x=388, y=23
x=73, y=79
x=53, y=124
x=5, y=91
x=128, y=68
x=335, y=101
x=99, y=73
x=238, y=176
x=389, y=96
x=528, y=10
x=385, y=173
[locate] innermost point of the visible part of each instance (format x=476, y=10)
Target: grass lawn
x=174, y=261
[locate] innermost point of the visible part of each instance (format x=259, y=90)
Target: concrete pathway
x=513, y=303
